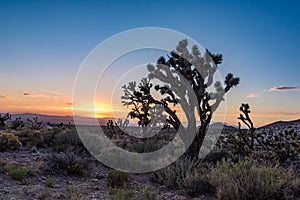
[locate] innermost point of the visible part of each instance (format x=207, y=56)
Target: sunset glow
x=43, y=45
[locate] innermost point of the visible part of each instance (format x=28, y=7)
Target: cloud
x=41, y=96
x=50, y=91
x=69, y=104
x=3, y=97
x=253, y=95
x=273, y=89
x=283, y=88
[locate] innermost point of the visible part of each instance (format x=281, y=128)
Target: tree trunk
x=194, y=149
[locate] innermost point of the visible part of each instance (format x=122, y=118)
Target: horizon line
x=102, y=118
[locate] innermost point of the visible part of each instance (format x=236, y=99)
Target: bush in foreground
x=174, y=174
x=16, y=171
x=196, y=184
x=9, y=141
x=121, y=193
x=149, y=194
x=246, y=180
x=69, y=162
x=118, y=179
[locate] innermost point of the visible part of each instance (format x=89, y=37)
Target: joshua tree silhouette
x=186, y=76
x=4, y=118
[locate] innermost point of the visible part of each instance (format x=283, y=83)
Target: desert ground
x=52, y=163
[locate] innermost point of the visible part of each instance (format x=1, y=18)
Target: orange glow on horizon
x=104, y=112
x=259, y=116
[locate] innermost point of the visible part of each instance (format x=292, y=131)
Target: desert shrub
x=56, y=130
x=31, y=138
x=185, y=174
x=66, y=139
x=217, y=155
x=195, y=185
x=47, y=138
x=17, y=124
x=23, y=135
x=264, y=156
x=246, y=180
x=149, y=194
x=292, y=190
x=16, y=171
x=146, y=146
x=61, y=140
x=118, y=179
x=36, y=139
x=285, y=144
x=282, y=146
x=44, y=194
x=121, y=193
x=69, y=162
x=72, y=192
x=49, y=182
x=173, y=175
x=9, y=141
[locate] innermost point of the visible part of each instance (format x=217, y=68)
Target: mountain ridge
x=56, y=119
x=280, y=123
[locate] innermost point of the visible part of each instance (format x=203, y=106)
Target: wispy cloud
x=273, y=89
x=41, y=96
x=69, y=104
x=50, y=91
x=283, y=88
x=253, y=95
x=3, y=97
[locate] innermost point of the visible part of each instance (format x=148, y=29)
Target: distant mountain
x=225, y=126
x=220, y=125
x=86, y=121
x=280, y=123
x=44, y=118
x=58, y=119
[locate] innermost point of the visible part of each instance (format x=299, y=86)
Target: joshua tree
x=186, y=76
x=4, y=118
x=284, y=144
x=35, y=123
x=245, y=118
x=17, y=124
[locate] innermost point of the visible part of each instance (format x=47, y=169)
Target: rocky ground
x=44, y=180
x=35, y=185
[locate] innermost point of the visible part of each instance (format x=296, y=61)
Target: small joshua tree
x=246, y=138
x=110, y=123
x=35, y=123
x=4, y=118
x=284, y=144
x=17, y=124
x=186, y=75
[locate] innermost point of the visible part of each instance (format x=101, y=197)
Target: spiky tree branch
x=284, y=145
x=187, y=76
x=4, y=118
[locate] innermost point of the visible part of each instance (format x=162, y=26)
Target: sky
x=44, y=43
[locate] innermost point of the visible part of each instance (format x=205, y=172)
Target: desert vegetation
x=53, y=164
x=48, y=161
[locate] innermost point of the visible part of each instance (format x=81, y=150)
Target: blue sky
x=43, y=43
